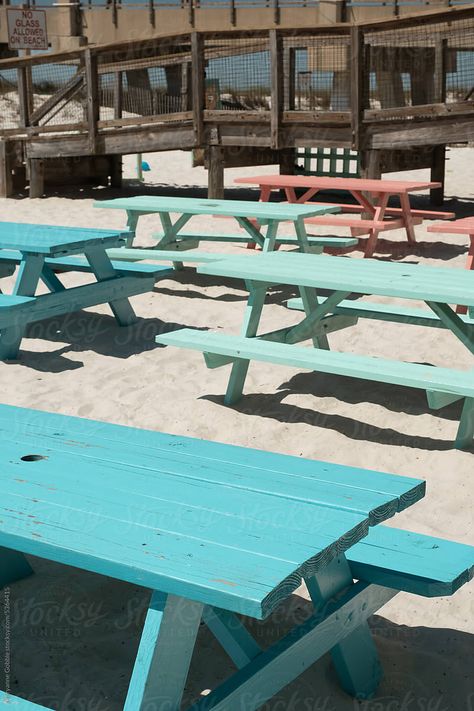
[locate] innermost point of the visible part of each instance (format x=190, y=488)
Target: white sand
x=85, y=365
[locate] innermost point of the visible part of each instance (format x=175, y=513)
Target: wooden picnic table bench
x=43, y=250
x=438, y=287
x=246, y=214
x=465, y=226
x=372, y=198
x=214, y=530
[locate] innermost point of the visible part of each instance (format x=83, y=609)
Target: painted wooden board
x=353, y=365
x=384, y=312
x=392, y=187
x=369, y=276
x=229, y=535
x=16, y=704
x=10, y=301
x=230, y=208
x=75, y=299
x=465, y=226
x=413, y=562
x=54, y=240
x=80, y=264
x=313, y=240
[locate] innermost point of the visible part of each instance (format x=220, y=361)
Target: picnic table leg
x=170, y=231
x=249, y=329
x=355, y=658
x=132, y=223
x=465, y=433
x=232, y=634
x=250, y=687
x=13, y=567
x=378, y=216
x=102, y=268
x=49, y=278
x=461, y=309
x=164, y=655
x=310, y=304
x=257, y=237
x=26, y=284
x=407, y=217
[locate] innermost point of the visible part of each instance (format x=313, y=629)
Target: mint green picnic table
x=438, y=287
x=41, y=251
x=250, y=215
x=214, y=532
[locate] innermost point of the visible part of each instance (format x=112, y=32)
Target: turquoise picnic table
x=215, y=532
x=438, y=287
x=40, y=252
x=250, y=216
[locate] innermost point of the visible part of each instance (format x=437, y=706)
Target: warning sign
x=27, y=29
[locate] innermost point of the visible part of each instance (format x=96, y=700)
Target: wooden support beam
x=6, y=177
x=23, y=95
x=438, y=165
x=198, y=86
x=92, y=91
x=118, y=95
x=358, y=85
x=438, y=174
x=115, y=171
x=36, y=177
x=215, y=189
x=276, y=64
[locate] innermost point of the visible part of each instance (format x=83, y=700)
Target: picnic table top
x=53, y=240
x=228, y=208
x=227, y=526
x=392, y=187
x=359, y=276
x=464, y=226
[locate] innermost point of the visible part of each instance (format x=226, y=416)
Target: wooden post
x=359, y=82
x=233, y=14
x=276, y=64
x=115, y=171
x=93, y=107
x=36, y=177
x=198, y=83
x=6, y=178
x=371, y=164
x=287, y=161
x=23, y=96
x=215, y=189
x=438, y=161
x=118, y=95
x=276, y=12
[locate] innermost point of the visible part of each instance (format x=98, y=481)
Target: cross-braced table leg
x=469, y=265
x=103, y=269
x=13, y=567
x=26, y=285
x=164, y=655
x=170, y=232
x=253, y=312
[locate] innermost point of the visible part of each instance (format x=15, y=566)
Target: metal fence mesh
x=238, y=74
x=430, y=63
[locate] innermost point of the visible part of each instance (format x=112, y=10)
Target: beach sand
x=74, y=634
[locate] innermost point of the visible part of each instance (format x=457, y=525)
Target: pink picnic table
x=459, y=227
x=374, y=215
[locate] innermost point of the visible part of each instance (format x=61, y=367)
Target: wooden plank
x=376, y=494
x=405, y=281
x=310, y=117
x=144, y=120
x=164, y=654
x=412, y=562
x=332, y=362
x=215, y=190
x=118, y=95
x=92, y=91
x=198, y=87
x=23, y=96
x=54, y=239
x=276, y=74
x=64, y=94
x=224, y=116
x=6, y=177
x=458, y=109
x=36, y=177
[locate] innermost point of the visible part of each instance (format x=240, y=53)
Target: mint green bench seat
x=214, y=529
x=221, y=349
x=7, y=701
x=313, y=241
x=10, y=301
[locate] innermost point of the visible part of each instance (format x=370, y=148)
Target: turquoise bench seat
x=7, y=701
x=80, y=264
x=10, y=301
x=221, y=349
x=413, y=562
x=383, y=312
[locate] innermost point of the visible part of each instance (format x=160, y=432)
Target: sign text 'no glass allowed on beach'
x=27, y=29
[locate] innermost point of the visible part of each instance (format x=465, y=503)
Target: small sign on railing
x=27, y=29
